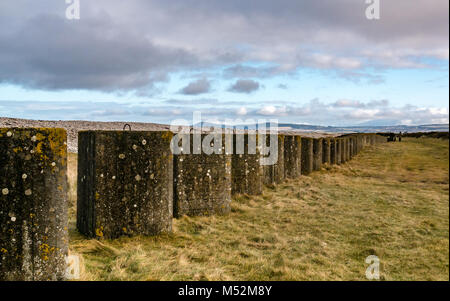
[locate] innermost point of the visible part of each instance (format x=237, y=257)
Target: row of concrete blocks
x=128, y=183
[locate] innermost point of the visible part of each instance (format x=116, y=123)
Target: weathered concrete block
x=274, y=174
x=343, y=150
x=125, y=183
x=333, y=151
x=33, y=204
x=307, y=155
x=347, y=148
x=246, y=170
x=326, y=151
x=339, y=151
x=360, y=145
x=317, y=153
x=351, y=146
x=202, y=182
x=292, y=156
x=380, y=139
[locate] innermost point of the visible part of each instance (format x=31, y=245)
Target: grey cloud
x=244, y=86
x=349, y=103
x=248, y=71
x=50, y=53
x=200, y=86
x=201, y=101
x=312, y=112
x=123, y=46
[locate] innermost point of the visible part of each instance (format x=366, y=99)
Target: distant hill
x=349, y=129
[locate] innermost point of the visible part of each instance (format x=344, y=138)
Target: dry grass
x=391, y=201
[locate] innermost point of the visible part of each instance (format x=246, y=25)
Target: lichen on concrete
x=125, y=183
x=33, y=203
x=202, y=182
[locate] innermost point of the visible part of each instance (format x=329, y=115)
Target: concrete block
x=274, y=174
x=307, y=156
x=202, y=182
x=326, y=151
x=338, y=150
x=343, y=150
x=317, y=153
x=33, y=204
x=292, y=156
x=125, y=183
x=246, y=170
x=333, y=151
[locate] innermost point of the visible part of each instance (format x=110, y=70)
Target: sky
x=317, y=62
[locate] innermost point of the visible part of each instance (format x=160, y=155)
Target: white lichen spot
x=152, y=176
x=113, y=177
x=13, y=218
x=28, y=192
x=134, y=146
x=53, y=163
x=138, y=178
x=5, y=191
x=101, y=175
x=32, y=151
x=24, y=176
x=135, y=205
x=144, y=142
x=121, y=156
x=33, y=139
x=9, y=134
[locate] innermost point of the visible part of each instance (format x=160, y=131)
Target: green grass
x=391, y=201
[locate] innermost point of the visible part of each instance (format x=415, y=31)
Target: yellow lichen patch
x=167, y=135
x=39, y=137
x=46, y=250
x=38, y=149
x=17, y=149
x=3, y=250
x=97, y=195
x=99, y=231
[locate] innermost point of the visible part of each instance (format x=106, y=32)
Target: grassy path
x=391, y=201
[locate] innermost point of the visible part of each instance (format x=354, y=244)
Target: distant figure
x=400, y=137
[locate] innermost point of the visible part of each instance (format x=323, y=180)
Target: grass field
x=390, y=201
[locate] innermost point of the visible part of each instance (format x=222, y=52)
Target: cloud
x=51, y=54
x=112, y=47
x=312, y=112
x=200, y=86
x=241, y=70
x=349, y=103
x=200, y=101
x=273, y=110
x=241, y=111
x=244, y=86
